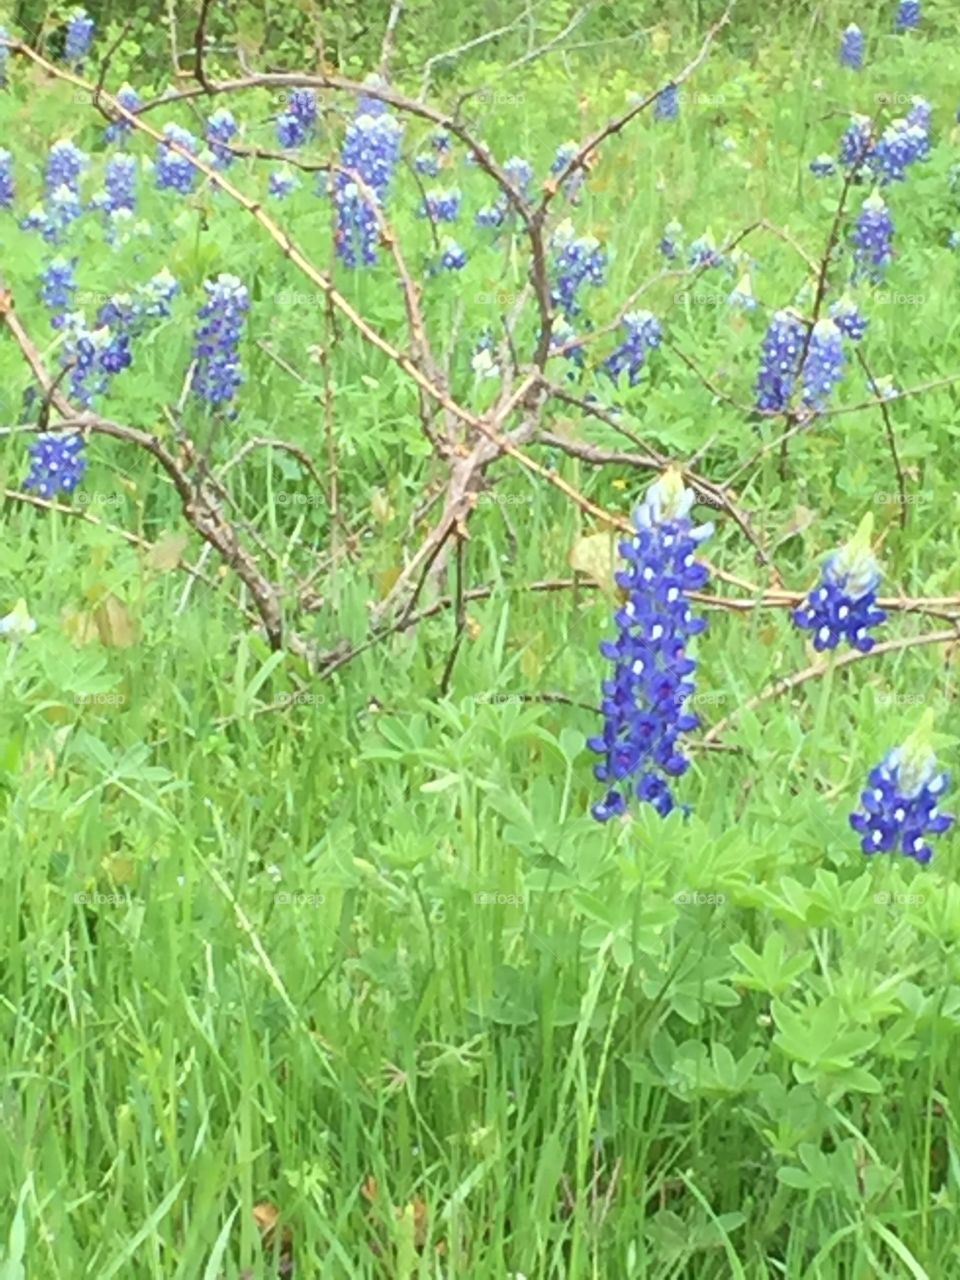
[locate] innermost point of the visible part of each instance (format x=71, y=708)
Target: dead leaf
x=80, y=626
x=166, y=552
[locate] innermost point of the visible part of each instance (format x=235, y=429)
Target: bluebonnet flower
x=52, y=220
x=779, y=357
x=670, y=240
x=643, y=334
x=741, y=295
x=520, y=174
x=217, y=374
x=823, y=366
x=920, y=113
x=81, y=352
x=157, y=294
x=119, y=184
x=173, y=170
x=666, y=105
x=441, y=141
x=453, y=257
x=857, y=142
x=441, y=205
x=6, y=179
x=843, y=604
x=644, y=704
x=851, y=47
x=561, y=335
x=79, y=36
x=564, y=154
x=900, y=145
x=281, y=183
x=222, y=128
x=491, y=215
x=822, y=166
x=57, y=463
x=57, y=287
x=577, y=260
x=872, y=239
x=426, y=164
x=703, y=252
x=296, y=124
x=900, y=804
x=908, y=15
x=65, y=164
x=130, y=100
x=848, y=318
x=370, y=149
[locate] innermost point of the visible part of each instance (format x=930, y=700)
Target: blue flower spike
x=900, y=805
x=843, y=604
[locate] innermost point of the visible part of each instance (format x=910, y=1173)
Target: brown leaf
x=166, y=552
x=593, y=555
x=80, y=626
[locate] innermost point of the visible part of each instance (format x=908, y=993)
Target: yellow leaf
x=594, y=557
x=166, y=552
x=80, y=626
x=116, y=627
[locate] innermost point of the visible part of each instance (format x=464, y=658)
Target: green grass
x=250, y=955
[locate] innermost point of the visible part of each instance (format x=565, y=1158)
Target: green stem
x=826, y=687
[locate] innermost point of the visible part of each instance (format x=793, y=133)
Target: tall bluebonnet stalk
x=130, y=100
x=900, y=145
x=57, y=463
x=857, y=142
x=872, y=239
x=666, y=105
x=370, y=149
x=297, y=123
x=643, y=333
x=222, y=128
x=851, y=47
x=217, y=374
x=57, y=287
x=823, y=365
x=6, y=179
x=577, y=260
x=79, y=36
x=65, y=165
x=645, y=701
x=908, y=15
x=900, y=805
x=173, y=170
x=779, y=357
x=119, y=184
x=842, y=606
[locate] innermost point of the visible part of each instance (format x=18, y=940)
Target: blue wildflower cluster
x=130, y=100
x=296, y=124
x=704, y=253
x=282, y=183
x=222, y=128
x=441, y=205
x=848, y=318
x=452, y=257
x=908, y=15
x=872, y=239
x=900, y=145
x=217, y=374
x=852, y=47
x=7, y=190
x=65, y=165
x=823, y=365
x=57, y=463
x=173, y=170
x=669, y=244
x=577, y=260
x=643, y=334
x=370, y=149
x=779, y=357
x=900, y=804
x=57, y=287
x=822, y=166
x=666, y=105
x=843, y=604
x=644, y=703
x=426, y=164
x=78, y=38
x=119, y=185
x=856, y=142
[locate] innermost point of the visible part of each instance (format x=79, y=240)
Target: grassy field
x=332, y=973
